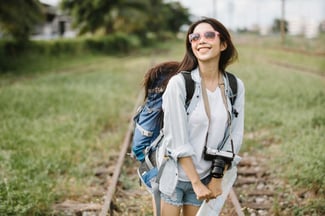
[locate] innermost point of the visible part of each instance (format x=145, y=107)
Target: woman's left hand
x=215, y=186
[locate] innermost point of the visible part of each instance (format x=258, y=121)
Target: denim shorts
x=184, y=194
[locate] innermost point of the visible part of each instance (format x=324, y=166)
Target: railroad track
x=255, y=186
x=111, y=206
x=254, y=192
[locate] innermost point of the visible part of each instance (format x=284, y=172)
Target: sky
x=246, y=13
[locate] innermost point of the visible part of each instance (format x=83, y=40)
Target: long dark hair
x=228, y=56
x=163, y=70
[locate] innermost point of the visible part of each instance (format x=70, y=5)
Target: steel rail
x=126, y=143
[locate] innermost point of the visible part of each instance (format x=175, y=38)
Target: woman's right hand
x=202, y=192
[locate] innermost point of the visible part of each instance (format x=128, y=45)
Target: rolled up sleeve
x=175, y=119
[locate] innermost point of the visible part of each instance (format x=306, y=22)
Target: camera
x=210, y=154
x=219, y=160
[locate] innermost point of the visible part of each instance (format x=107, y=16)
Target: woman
x=189, y=176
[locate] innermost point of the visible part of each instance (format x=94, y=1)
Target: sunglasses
x=209, y=35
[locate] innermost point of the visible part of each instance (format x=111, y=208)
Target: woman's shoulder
x=176, y=80
x=240, y=84
x=239, y=80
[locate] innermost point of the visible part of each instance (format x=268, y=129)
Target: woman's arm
x=175, y=119
x=201, y=191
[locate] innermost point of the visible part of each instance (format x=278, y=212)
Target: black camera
x=219, y=160
x=210, y=154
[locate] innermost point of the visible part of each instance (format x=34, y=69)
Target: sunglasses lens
x=209, y=35
x=194, y=37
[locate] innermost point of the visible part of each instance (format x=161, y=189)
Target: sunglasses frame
x=191, y=37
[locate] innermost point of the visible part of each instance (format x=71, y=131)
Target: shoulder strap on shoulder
x=233, y=85
x=189, y=85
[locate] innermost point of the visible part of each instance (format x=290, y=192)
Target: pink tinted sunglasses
x=209, y=35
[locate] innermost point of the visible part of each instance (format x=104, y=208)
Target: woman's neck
x=210, y=74
x=209, y=70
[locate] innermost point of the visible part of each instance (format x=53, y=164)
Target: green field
x=61, y=120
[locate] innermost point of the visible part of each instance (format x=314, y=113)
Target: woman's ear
x=223, y=46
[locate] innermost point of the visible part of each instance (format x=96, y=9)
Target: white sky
x=246, y=13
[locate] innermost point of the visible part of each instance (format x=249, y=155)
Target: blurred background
x=71, y=72
x=301, y=17
x=64, y=18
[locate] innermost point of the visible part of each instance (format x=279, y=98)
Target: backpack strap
x=233, y=85
x=189, y=85
x=234, y=88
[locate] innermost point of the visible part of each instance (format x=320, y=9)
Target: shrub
x=14, y=54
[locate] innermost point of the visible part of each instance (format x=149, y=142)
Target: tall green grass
x=60, y=122
x=285, y=118
x=56, y=127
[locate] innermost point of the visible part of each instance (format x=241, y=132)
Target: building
x=56, y=25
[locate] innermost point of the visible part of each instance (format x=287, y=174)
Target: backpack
x=148, y=123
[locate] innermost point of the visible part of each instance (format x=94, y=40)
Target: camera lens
x=217, y=168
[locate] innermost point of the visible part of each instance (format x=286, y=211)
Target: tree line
x=18, y=18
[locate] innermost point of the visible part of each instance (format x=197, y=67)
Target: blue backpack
x=148, y=124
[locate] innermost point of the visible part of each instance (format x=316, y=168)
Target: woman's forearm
x=189, y=168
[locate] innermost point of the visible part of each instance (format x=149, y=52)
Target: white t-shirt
x=198, y=119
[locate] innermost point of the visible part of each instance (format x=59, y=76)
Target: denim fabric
x=184, y=194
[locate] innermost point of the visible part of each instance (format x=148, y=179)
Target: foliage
x=284, y=118
x=13, y=53
x=277, y=25
x=130, y=16
x=18, y=18
x=58, y=127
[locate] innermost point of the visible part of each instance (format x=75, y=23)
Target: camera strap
x=207, y=107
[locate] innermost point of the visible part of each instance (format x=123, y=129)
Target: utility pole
x=282, y=23
x=214, y=9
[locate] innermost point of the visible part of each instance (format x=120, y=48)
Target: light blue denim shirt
x=176, y=142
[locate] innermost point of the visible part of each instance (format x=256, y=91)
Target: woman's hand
x=215, y=188
x=201, y=191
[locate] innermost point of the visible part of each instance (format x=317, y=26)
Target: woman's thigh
x=169, y=209
x=190, y=210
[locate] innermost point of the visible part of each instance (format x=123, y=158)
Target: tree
x=129, y=16
x=277, y=25
x=93, y=15
x=18, y=18
x=178, y=16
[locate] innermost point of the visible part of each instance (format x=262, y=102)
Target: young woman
x=193, y=174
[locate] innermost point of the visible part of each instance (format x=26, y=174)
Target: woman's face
x=205, y=43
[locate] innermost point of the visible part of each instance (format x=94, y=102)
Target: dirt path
x=259, y=191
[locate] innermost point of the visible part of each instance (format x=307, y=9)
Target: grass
x=59, y=121
x=54, y=129
x=284, y=112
